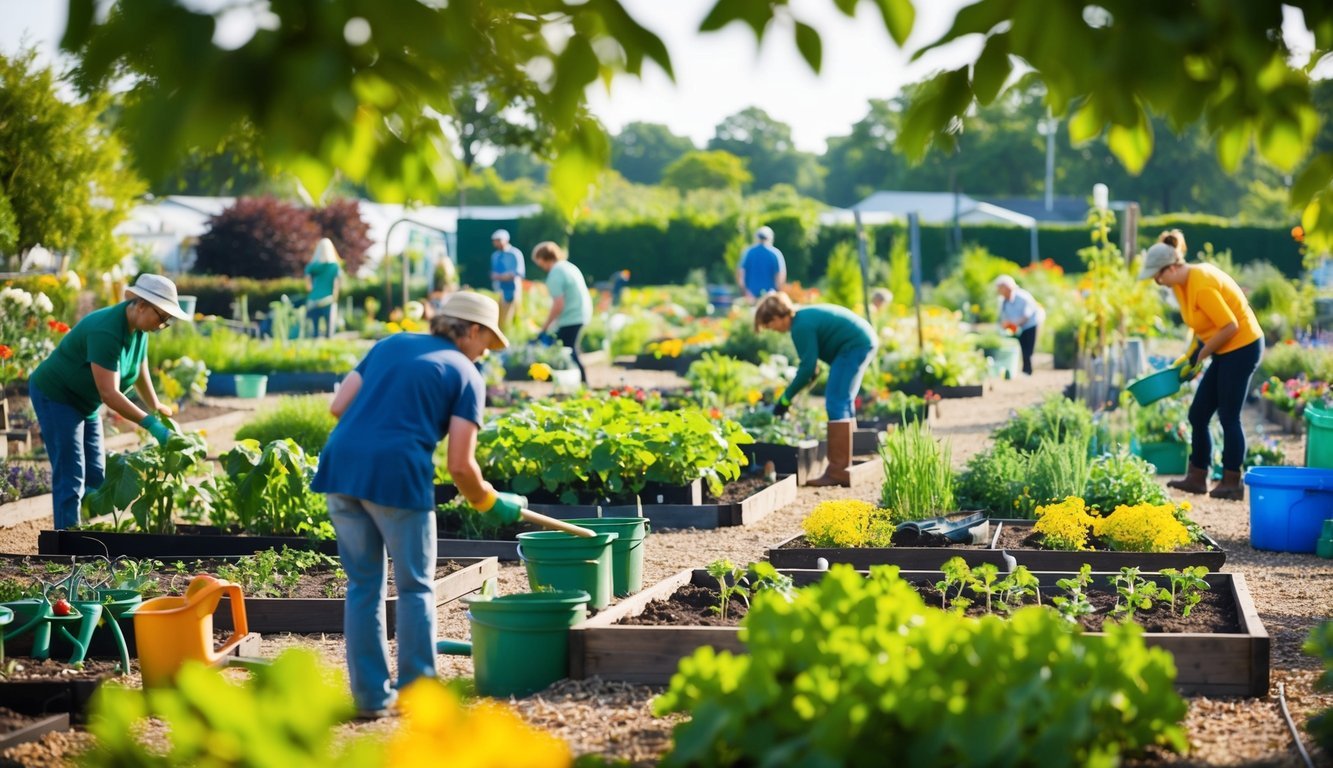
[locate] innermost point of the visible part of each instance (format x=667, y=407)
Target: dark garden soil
x=738, y=490
x=1025, y=538
x=52, y=669
x=172, y=577
x=693, y=605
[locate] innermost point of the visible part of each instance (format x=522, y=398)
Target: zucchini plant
x=154, y=484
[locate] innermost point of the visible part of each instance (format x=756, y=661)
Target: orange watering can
x=173, y=630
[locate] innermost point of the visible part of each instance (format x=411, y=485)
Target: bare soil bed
x=614, y=719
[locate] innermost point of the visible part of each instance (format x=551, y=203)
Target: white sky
x=717, y=74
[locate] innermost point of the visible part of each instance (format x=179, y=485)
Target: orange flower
x=5, y=352
x=57, y=326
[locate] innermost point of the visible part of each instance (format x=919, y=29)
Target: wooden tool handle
x=557, y=525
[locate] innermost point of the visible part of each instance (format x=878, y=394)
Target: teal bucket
x=626, y=550
x=520, y=643
x=250, y=385
x=1005, y=359
x=1318, y=438
x=1166, y=458
x=1155, y=386
x=563, y=561
x=1288, y=506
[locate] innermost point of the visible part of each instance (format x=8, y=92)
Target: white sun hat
x=160, y=292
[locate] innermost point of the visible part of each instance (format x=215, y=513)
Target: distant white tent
x=885, y=207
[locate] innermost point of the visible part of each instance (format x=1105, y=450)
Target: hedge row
x=659, y=254
x=216, y=295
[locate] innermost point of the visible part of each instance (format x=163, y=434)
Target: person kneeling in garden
x=408, y=393
x=843, y=340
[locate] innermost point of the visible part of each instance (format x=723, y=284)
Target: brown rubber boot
x=1194, y=481
x=1229, y=487
x=839, y=455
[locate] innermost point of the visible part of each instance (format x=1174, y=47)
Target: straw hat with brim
x=1159, y=255
x=158, y=291
x=475, y=308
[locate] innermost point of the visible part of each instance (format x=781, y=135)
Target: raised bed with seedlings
x=1220, y=645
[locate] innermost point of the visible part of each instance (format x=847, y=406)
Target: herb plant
x=918, y=478
x=1056, y=418
x=957, y=574
x=1121, y=478
x=730, y=584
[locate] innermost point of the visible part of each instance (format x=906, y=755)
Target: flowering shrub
x=28, y=333
x=1143, y=528
x=1065, y=525
x=1122, y=478
x=20, y=482
x=1294, y=394
x=847, y=523
x=1165, y=421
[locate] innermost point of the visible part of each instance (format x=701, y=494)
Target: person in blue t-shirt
x=1020, y=315
x=408, y=393
x=762, y=269
x=507, y=273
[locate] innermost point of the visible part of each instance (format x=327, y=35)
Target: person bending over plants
x=408, y=393
x=1225, y=329
x=843, y=340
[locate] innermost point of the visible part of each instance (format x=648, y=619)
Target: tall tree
x=642, y=151
x=713, y=169
x=766, y=146
x=62, y=174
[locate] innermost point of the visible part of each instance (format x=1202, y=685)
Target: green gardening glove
x=505, y=508
x=161, y=432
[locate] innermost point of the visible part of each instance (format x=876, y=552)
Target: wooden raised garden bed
x=743, y=503
x=918, y=389
x=896, y=420
x=17, y=728
x=1004, y=536
x=1208, y=664
x=1289, y=421
x=189, y=541
x=866, y=441
x=806, y=460
x=224, y=384
x=648, y=362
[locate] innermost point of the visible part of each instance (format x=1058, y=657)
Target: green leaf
x=1282, y=142
x=810, y=46
x=992, y=69
x=1132, y=145
x=1085, y=124
x=1313, y=179
x=899, y=16
x=755, y=13
x=79, y=24
x=1232, y=144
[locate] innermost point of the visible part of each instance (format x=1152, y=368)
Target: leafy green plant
x=1320, y=645
x=304, y=419
x=760, y=423
x=267, y=491
x=276, y=573
x=589, y=450
x=1014, y=588
x=721, y=381
x=918, y=478
x=855, y=689
x=1056, y=470
x=1121, y=478
x=1074, y=604
x=183, y=378
x=1055, y=418
x=1187, y=585
x=1133, y=593
x=743, y=342
x=957, y=574
x=983, y=581
x=730, y=584
x=153, y=484
x=842, y=277
x=992, y=480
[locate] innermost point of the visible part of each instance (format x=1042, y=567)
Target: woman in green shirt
x=97, y=363
x=571, y=305
x=322, y=276
x=840, y=338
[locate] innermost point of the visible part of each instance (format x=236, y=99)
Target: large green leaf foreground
x=360, y=86
x=855, y=669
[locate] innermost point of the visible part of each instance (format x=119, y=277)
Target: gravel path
x=1292, y=593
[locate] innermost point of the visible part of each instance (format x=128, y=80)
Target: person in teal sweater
x=322, y=277
x=840, y=338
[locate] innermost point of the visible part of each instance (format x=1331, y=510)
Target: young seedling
x=1187, y=585
x=1020, y=583
x=764, y=577
x=730, y=583
x=1133, y=593
x=956, y=576
x=983, y=581
x=1076, y=604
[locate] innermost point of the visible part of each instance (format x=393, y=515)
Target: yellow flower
x=1065, y=525
x=539, y=371
x=392, y=327
x=846, y=523
x=1143, y=528
x=754, y=396
x=435, y=722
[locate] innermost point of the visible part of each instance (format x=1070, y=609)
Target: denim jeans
x=321, y=319
x=365, y=529
x=844, y=380
x=1222, y=391
x=74, y=445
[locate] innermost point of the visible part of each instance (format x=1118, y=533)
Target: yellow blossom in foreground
x=1065, y=525
x=754, y=396
x=845, y=523
x=1143, y=528
x=539, y=371
x=438, y=729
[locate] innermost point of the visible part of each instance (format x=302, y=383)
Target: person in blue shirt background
x=1020, y=314
x=507, y=273
x=762, y=269
x=377, y=469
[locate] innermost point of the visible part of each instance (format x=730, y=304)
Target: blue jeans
x=844, y=380
x=1222, y=391
x=364, y=530
x=321, y=319
x=74, y=445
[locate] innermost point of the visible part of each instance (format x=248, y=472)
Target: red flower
x=5, y=352
x=615, y=393
x=57, y=326
x=640, y=396
x=1264, y=388
x=714, y=413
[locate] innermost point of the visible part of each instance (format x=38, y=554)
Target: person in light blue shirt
x=571, y=305
x=377, y=470
x=1020, y=314
x=507, y=273
x=762, y=269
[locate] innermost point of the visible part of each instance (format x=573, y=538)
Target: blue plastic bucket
x=1287, y=507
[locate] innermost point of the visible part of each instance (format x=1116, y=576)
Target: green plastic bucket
x=1155, y=386
x=563, y=561
x=251, y=385
x=626, y=550
x=1318, y=438
x=1006, y=358
x=520, y=643
x=1167, y=458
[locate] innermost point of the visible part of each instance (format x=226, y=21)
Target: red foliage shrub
x=259, y=237
x=341, y=222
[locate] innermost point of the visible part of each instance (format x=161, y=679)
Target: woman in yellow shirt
x=1225, y=329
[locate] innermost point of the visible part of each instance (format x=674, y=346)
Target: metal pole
x=1050, y=161
x=914, y=243
x=863, y=252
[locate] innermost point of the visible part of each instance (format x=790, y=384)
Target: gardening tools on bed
x=942, y=531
